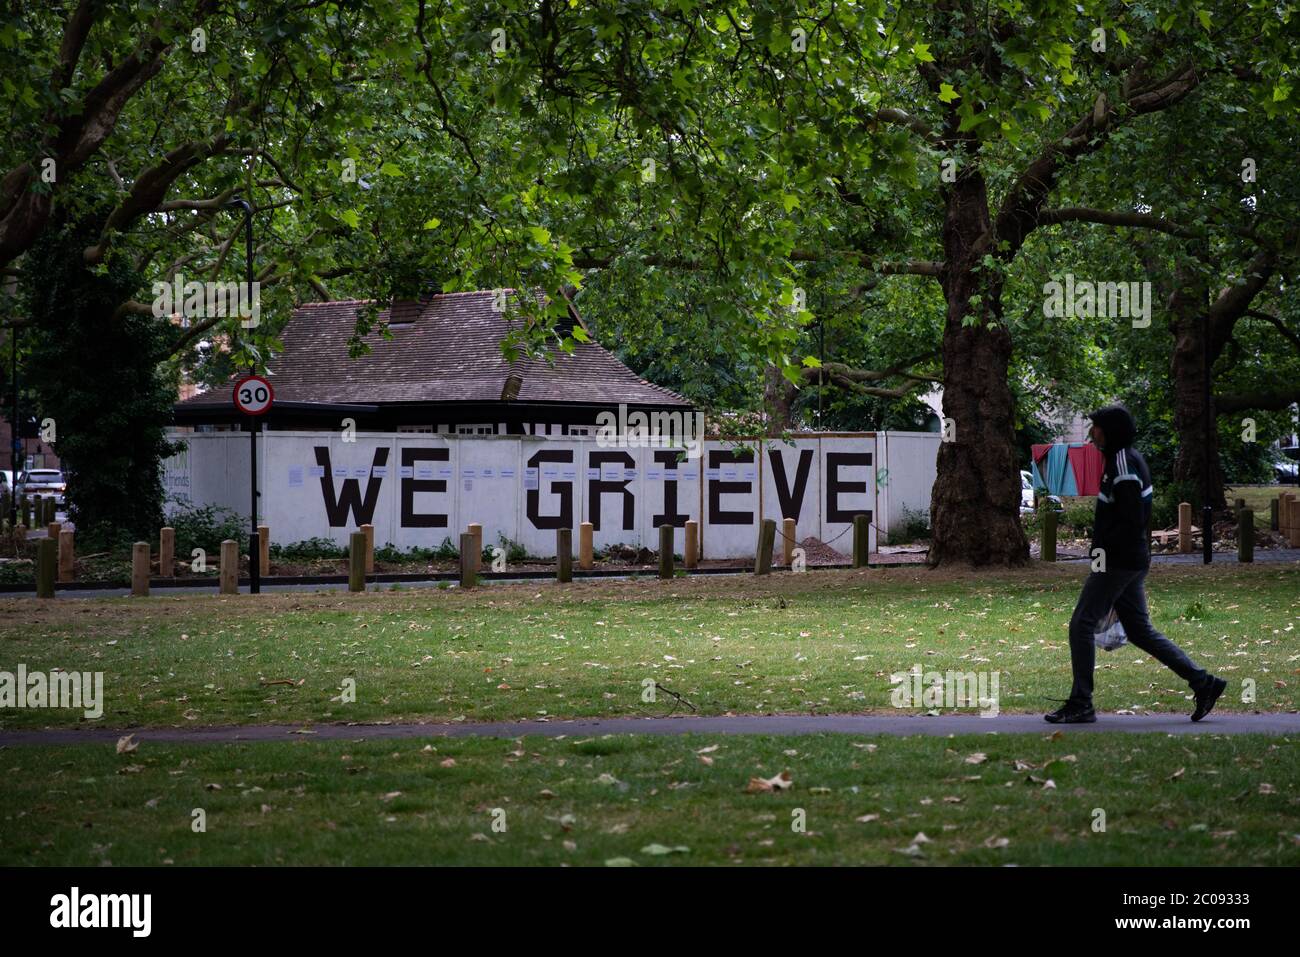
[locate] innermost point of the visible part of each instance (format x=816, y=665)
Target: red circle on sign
x=254, y=395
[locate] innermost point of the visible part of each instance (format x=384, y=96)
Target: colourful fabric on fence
x=1052, y=464
x=1067, y=468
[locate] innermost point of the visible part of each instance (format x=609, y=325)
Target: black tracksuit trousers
x=1123, y=590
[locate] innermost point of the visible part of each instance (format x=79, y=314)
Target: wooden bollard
x=787, y=542
x=665, y=551
x=357, y=561
x=476, y=532
x=1272, y=515
x=45, y=561
x=468, y=575
x=585, y=554
x=67, y=557
x=1284, y=515
x=861, y=540
x=1245, y=535
x=52, y=530
x=51, y=509
x=140, y=570
x=564, y=554
x=691, y=548
x=264, y=550
x=1049, y=535
x=167, y=552
x=229, y=573
x=20, y=536
x=766, y=542
x=27, y=511
x=1185, y=527
x=369, y=532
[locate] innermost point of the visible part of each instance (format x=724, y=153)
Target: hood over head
x=1118, y=424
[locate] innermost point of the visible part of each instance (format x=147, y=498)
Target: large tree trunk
x=778, y=399
x=975, y=503
x=1188, y=323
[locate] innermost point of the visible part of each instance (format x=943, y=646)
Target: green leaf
x=922, y=52
x=541, y=235
x=947, y=94
x=812, y=362
x=433, y=223
x=350, y=217
x=391, y=169
x=1204, y=17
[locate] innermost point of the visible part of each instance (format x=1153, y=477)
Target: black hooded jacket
x=1124, y=501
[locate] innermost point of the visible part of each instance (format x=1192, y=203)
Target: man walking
x=1119, y=547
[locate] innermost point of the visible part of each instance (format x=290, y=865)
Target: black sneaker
x=1206, y=697
x=1072, y=712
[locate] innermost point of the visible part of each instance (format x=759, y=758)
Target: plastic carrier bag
x=1110, y=633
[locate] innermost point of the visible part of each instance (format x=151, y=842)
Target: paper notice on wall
x=654, y=475
x=424, y=471
x=380, y=471
x=406, y=472
x=489, y=472
x=593, y=475
x=530, y=478
x=340, y=471
x=507, y=473
x=316, y=471
x=361, y=472
x=295, y=476
x=469, y=485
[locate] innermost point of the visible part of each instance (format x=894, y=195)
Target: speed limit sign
x=253, y=395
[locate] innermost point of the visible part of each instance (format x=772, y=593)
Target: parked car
x=1029, y=497
x=44, y=482
x=1026, y=491
x=1286, y=469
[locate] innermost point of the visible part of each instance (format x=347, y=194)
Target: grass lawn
x=977, y=799
x=815, y=643
x=1257, y=498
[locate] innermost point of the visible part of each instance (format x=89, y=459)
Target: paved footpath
x=1228, y=723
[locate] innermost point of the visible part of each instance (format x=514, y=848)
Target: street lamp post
x=254, y=423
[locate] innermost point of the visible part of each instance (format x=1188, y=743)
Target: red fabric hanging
x=1088, y=465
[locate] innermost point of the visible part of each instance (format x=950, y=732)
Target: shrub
x=206, y=527
x=308, y=550
x=915, y=527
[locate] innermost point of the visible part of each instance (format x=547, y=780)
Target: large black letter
x=563, y=489
x=834, y=487
x=410, y=519
x=598, y=487
x=349, y=498
x=791, y=504
x=718, y=488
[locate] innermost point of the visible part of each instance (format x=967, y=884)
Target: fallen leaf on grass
x=979, y=757
x=127, y=743
x=660, y=849
x=781, y=782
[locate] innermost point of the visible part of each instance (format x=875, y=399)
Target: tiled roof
x=449, y=352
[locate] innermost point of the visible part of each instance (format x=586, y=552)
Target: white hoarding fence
x=420, y=489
